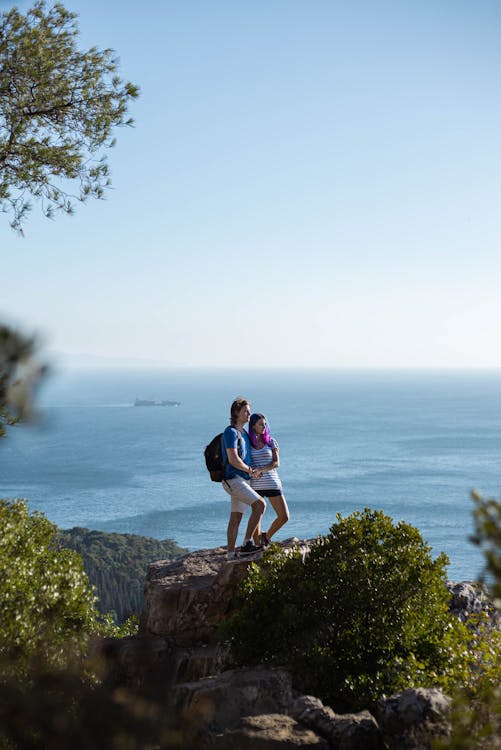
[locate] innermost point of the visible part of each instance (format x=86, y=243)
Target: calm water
x=413, y=444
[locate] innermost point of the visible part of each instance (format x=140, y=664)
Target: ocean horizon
x=413, y=443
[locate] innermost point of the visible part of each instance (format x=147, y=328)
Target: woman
x=266, y=482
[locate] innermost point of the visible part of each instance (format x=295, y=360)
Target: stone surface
x=469, y=598
x=411, y=719
x=466, y=599
x=358, y=731
x=267, y=732
x=156, y=660
x=188, y=598
x=218, y=703
x=304, y=703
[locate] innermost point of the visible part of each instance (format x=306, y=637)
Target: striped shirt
x=260, y=457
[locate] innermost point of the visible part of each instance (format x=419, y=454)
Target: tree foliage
x=47, y=604
x=117, y=564
x=20, y=374
x=366, y=613
x=46, y=601
x=54, y=692
x=58, y=109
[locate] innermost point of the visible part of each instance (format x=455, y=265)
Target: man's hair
x=236, y=407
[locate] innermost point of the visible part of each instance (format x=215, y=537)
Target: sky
x=312, y=184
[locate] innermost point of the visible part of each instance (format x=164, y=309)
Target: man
x=236, y=450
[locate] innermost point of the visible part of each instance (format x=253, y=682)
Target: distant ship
x=147, y=402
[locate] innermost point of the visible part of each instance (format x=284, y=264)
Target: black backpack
x=214, y=458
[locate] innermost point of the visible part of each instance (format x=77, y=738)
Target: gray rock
x=269, y=732
x=187, y=598
x=155, y=660
x=302, y=704
x=357, y=731
x=466, y=599
x=218, y=703
x=411, y=719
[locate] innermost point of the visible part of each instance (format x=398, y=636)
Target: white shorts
x=242, y=494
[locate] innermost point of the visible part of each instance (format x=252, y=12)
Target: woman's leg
x=279, y=505
x=257, y=534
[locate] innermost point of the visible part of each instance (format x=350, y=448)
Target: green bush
x=47, y=605
x=365, y=614
x=53, y=693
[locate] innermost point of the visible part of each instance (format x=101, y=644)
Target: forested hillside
x=116, y=565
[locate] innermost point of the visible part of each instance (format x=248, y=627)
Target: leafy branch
x=59, y=107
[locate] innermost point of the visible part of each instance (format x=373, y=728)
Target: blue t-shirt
x=232, y=438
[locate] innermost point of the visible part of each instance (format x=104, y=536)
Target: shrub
x=365, y=613
x=47, y=605
x=50, y=692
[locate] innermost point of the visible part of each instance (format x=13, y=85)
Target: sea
x=412, y=443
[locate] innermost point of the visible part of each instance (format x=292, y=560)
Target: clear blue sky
x=308, y=183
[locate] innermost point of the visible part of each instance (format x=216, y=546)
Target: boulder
x=412, y=719
x=466, y=599
x=472, y=598
x=159, y=662
x=218, y=703
x=357, y=731
x=268, y=732
x=135, y=660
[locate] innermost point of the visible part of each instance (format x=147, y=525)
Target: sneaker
x=265, y=542
x=232, y=555
x=249, y=548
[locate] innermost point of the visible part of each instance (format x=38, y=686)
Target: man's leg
x=232, y=531
x=258, y=507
